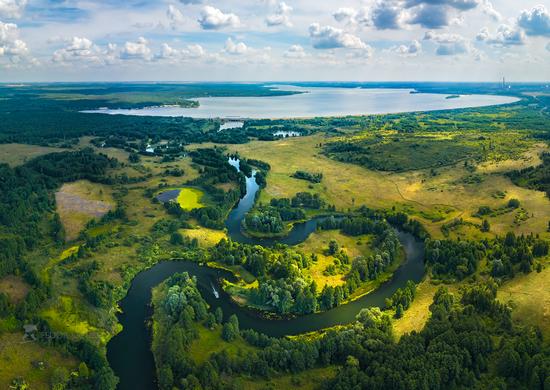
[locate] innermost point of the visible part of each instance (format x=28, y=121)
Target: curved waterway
x=129, y=353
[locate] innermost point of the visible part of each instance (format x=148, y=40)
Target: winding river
x=129, y=352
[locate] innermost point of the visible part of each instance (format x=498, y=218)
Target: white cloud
x=11, y=47
x=233, y=48
x=281, y=17
x=213, y=19
x=505, y=36
x=295, y=51
x=345, y=15
x=328, y=37
x=175, y=16
x=548, y=46
x=412, y=49
x=189, y=52
x=535, y=21
x=78, y=49
x=12, y=9
x=448, y=44
x=136, y=50
x=489, y=10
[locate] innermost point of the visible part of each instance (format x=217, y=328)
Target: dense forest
x=469, y=341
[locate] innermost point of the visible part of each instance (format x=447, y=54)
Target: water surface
x=318, y=101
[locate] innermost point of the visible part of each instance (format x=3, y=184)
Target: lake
x=318, y=102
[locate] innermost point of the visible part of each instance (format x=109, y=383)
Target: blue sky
x=248, y=40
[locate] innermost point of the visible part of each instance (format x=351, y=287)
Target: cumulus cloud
x=175, y=16
x=235, y=48
x=328, y=37
x=386, y=15
x=295, y=51
x=189, y=52
x=448, y=44
x=136, y=50
x=281, y=17
x=214, y=19
x=344, y=15
x=535, y=21
x=489, y=10
x=12, y=9
x=462, y=5
x=11, y=47
x=431, y=16
x=548, y=46
x=505, y=36
x=78, y=49
x=409, y=50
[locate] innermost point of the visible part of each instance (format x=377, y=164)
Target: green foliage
x=311, y=177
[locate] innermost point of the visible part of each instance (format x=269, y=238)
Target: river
x=129, y=352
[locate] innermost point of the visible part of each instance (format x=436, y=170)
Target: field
x=17, y=357
x=14, y=287
x=210, y=341
x=318, y=242
x=80, y=202
x=529, y=297
x=17, y=154
x=190, y=198
x=206, y=237
x=435, y=198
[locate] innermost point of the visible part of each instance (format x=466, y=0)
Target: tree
x=332, y=247
x=219, y=315
x=165, y=378
x=513, y=203
x=134, y=158
x=485, y=226
x=399, y=311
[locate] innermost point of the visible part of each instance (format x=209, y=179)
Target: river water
x=129, y=353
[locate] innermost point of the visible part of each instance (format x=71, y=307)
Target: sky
x=271, y=40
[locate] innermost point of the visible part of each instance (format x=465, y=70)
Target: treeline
x=536, y=178
x=450, y=259
x=468, y=342
x=311, y=177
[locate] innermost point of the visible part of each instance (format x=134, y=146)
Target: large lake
x=319, y=101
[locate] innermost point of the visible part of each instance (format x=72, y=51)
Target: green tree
x=332, y=247
x=485, y=226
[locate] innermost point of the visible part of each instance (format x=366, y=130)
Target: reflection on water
x=318, y=101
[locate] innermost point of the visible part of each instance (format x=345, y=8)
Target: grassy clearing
x=15, y=288
x=210, y=341
x=435, y=198
x=17, y=357
x=310, y=379
x=190, y=198
x=529, y=297
x=71, y=316
x=418, y=313
x=18, y=154
x=206, y=237
x=80, y=202
x=318, y=242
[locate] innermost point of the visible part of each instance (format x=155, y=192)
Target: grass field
x=190, y=198
x=206, y=237
x=211, y=341
x=17, y=357
x=80, y=202
x=17, y=154
x=15, y=287
x=529, y=297
x=434, y=199
x=318, y=242
x=418, y=313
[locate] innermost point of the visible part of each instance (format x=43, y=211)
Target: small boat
x=216, y=293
